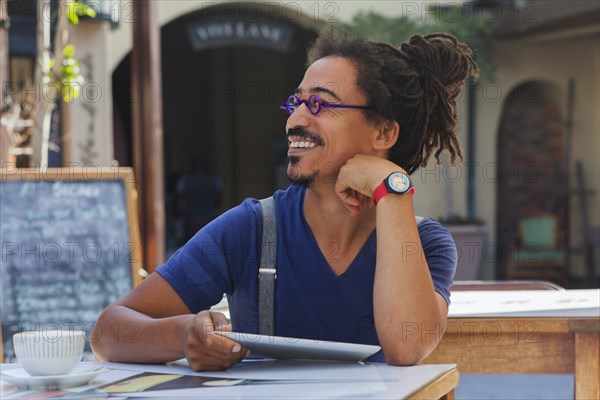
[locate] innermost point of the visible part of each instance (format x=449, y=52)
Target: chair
x=591, y=245
x=539, y=256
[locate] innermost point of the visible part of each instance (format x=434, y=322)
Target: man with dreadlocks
x=354, y=264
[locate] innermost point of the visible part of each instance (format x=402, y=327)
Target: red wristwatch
x=395, y=183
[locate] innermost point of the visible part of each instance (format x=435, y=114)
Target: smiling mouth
x=301, y=141
x=301, y=144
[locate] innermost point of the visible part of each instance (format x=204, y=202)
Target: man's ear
x=387, y=136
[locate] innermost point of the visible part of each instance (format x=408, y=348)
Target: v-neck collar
x=322, y=261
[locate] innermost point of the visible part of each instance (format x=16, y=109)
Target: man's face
x=320, y=144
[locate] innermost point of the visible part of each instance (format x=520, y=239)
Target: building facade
x=228, y=65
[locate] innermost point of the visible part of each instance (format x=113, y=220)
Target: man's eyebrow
x=318, y=89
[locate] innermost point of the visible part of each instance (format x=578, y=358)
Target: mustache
x=305, y=134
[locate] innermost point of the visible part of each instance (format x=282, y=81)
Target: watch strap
x=379, y=192
x=382, y=190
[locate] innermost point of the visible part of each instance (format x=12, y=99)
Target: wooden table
x=525, y=345
x=441, y=388
x=258, y=379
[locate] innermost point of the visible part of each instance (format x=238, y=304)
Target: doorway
x=221, y=114
x=531, y=157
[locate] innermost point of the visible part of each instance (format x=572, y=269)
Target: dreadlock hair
x=415, y=85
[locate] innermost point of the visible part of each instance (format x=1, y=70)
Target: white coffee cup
x=49, y=352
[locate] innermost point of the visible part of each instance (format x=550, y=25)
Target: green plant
x=76, y=10
x=66, y=78
x=474, y=29
x=57, y=68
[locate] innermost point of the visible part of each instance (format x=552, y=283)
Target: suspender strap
x=267, y=272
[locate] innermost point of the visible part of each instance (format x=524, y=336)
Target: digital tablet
x=301, y=349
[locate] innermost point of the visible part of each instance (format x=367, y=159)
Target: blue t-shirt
x=311, y=302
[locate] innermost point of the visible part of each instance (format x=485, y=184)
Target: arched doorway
x=532, y=161
x=225, y=71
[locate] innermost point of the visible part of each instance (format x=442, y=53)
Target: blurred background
x=188, y=93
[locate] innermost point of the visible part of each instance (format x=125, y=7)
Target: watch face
x=399, y=182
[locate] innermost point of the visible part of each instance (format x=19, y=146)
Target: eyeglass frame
x=321, y=104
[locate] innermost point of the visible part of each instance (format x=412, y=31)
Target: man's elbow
x=99, y=354
x=98, y=342
x=402, y=359
x=407, y=355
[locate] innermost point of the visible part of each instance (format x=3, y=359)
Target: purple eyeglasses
x=314, y=104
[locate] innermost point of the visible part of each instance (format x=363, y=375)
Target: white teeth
x=302, y=145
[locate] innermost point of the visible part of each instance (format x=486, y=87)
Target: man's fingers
x=220, y=321
x=217, y=347
x=203, y=326
x=208, y=362
x=205, y=349
x=223, y=347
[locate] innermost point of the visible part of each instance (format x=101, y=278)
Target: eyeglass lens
x=293, y=104
x=313, y=104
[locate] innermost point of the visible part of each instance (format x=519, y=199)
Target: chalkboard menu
x=70, y=247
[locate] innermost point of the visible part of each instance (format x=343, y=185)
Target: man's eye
x=328, y=100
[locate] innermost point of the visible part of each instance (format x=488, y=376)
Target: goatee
x=302, y=180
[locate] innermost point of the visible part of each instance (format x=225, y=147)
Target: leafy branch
x=76, y=10
x=58, y=69
x=67, y=78
x=475, y=30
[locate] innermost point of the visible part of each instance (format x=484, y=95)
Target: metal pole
x=567, y=173
x=471, y=146
x=4, y=21
x=471, y=210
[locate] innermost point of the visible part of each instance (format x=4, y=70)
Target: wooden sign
x=69, y=247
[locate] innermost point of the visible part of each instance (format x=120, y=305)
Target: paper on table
x=525, y=303
x=315, y=379
x=327, y=390
x=270, y=369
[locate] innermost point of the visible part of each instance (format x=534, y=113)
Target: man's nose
x=300, y=117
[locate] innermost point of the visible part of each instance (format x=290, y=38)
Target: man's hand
x=359, y=177
x=207, y=351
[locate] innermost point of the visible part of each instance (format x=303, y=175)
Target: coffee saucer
x=80, y=376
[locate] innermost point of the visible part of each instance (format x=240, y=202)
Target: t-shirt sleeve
x=440, y=253
x=210, y=263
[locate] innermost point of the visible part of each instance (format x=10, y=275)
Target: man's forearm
x=125, y=335
x=407, y=314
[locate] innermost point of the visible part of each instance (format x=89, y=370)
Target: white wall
x=306, y=11
x=553, y=58
x=90, y=116
x=556, y=60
